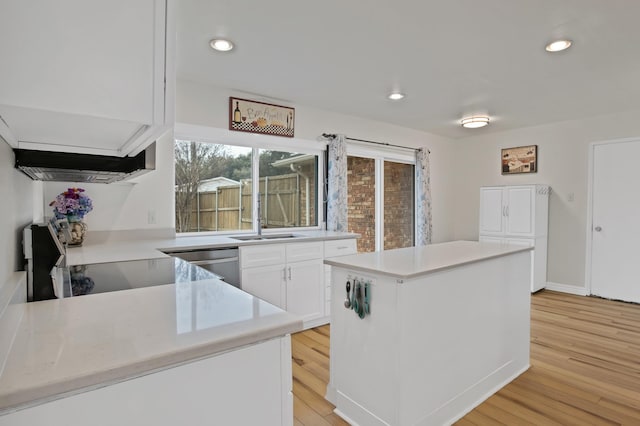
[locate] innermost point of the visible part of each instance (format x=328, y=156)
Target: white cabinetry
x=290, y=276
x=335, y=248
x=87, y=76
x=518, y=215
x=266, y=282
x=248, y=386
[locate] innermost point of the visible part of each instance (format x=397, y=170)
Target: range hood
x=73, y=167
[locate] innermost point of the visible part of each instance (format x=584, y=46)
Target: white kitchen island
x=448, y=327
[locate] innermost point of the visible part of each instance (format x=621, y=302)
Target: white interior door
x=615, y=230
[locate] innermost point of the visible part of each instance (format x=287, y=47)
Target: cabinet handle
x=289, y=273
x=504, y=209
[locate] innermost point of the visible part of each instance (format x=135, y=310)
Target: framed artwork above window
x=259, y=117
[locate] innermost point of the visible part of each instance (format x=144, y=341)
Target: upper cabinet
x=86, y=75
x=515, y=211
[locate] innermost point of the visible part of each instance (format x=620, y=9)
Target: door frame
x=589, y=227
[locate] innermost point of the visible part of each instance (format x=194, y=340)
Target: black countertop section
x=116, y=276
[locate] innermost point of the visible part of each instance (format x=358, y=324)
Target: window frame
x=257, y=142
x=380, y=155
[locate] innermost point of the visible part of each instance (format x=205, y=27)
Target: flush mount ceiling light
x=475, y=121
x=221, y=45
x=558, y=45
x=396, y=96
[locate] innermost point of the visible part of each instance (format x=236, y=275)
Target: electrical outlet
x=570, y=197
x=151, y=216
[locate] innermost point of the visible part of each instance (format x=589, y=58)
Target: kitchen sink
x=264, y=237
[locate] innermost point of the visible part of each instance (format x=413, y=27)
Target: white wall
x=123, y=205
x=16, y=193
x=562, y=163
x=209, y=106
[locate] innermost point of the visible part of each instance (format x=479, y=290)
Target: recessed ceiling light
x=395, y=96
x=221, y=45
x=558, y=45
x=475, y=121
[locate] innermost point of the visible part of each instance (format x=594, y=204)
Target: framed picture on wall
x=260, y=117
x=521, y=159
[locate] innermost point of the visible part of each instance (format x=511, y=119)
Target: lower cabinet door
x=267, y=283
x=305, y=289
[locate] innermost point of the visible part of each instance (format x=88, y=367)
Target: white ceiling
x=450, y=57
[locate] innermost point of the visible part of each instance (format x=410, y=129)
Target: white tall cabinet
x=518, y=214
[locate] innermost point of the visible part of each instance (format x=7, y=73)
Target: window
x=215, y=188
x=399, y=196
x=219, y=173
x=288, y=188
x=361, y=201
x=380, y=198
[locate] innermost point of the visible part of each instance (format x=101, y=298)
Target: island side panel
x=464, y=334
x=364, y=361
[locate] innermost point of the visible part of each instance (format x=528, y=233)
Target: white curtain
x=423, y=188
x=337, y=191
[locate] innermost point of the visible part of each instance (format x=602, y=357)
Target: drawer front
x=297, y=252
x=262, y=255
x=340, y=247
x=529, y=242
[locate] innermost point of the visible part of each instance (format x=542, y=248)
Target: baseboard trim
x=565, y=288
x=449, y=412
x=488, y=394
x=357, y=414
x=331, y=394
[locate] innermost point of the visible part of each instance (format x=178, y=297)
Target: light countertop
x=64, y=346
x=411, y=262
x=115, y=251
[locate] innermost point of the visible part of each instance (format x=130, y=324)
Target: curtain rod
x=332, y=135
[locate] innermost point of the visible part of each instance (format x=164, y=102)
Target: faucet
x=259, y=216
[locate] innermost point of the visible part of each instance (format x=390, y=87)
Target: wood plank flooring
x=585, y=369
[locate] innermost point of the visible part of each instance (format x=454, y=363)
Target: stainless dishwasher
x=221, y=261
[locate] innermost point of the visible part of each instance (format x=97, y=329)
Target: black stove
x=94, y=278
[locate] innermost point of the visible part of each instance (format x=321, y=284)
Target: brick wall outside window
x=398, y=200
x=398, y=205
x=361, y=208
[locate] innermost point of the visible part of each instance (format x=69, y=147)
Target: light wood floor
x=585, y=369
